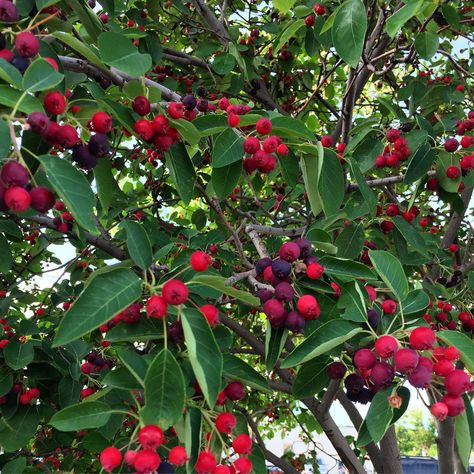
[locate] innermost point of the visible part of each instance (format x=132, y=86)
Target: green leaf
x=204, y=353
x=105, y=182
x=405, y=394
x=411, y=235
x=342, y=267
x=219, y=283
x=118, y=51
x=18, y=355
x=144, y=330
x=105, y=296
x=353, y=302
x=81, y=416
x=6, y=383
x=420, y=163
x=463, y=438
x=444, y=161
x=134, y=363
x=182, y=171
x=380, y=414
x=287, y=33
x=210, y=124
x=399, y=18
x=223, y=64
x=463, y=343
x=10, y=97
x=390, y=270
x=416, y=300
x=121, y=378
x=10, y=74
x=291, y=127
x=226, y=178
x=237, y=369
x=290, y=169
x=284, y=5
x=331, y=183
x=20, y=429
x=41, y=76
x=82, y=48
x=193, y=431
x=312, y=377
x=69, y=391
x=187, y=130
x=87, y=18
x=348, y=31
x=325, y=338
x=73, y=188
x=15, y=466
x=350, y=241
x=138, y=244
x=426, y=44
x=164, y=391
x=368, y=194
x=6, y=261
x=5, y=140
x=311, y=165
x=274, y=342
x=228, y=148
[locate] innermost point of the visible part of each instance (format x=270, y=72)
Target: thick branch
x=390, y=451
x=376, y=183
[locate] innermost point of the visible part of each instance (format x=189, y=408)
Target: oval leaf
x=41, y=76
x=228, y=148
x=380, y=415
x=81, y=416
x=106, y=295
x=138, y=244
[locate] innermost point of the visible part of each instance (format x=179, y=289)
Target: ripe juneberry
x=101, y=122
x=439, y=411
x=38, y=122
x=308, y=306
x=457, y=382
x=14, y=174
x=306, y=247
x=54, y=103
x=420, y=377
x=99, y=144
x=17, y=199
x=364, y=359
x=27, y=44
x=242, y=444
x=289, y=251
x=373, y=318
x=242, y=465
x=174, y=292
x=381, y=374
x=451, y=145
x=156, y=307
x=141, y=105
x=211, y=313
x=406, y=360
x=225, y=422
x=235, y=391
x=178, y=455
x=263, y=126
x=422, y=338
x=205, y=463
x=389, y=306
x=146, y=461
x=295, y=322
x=281, y=268
x=110, y=458
x=284, y=292
x=385, y=346
x=150, y=437
x=336, y=370
x=200, y=261
x=42, y=199
x=85, y=159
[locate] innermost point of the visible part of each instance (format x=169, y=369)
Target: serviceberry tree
x=251, y=209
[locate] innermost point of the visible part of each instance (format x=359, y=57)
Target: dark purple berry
x=201, y=91
x=373, y=318
x=354, y=383
x=8, y=12
x=294, y=322
x=281, y=268
x=264, y=295
x=175, y=332
x=284, y=292
x=20, y=63
x=262, y=264
x=336, y=370
x=202, y=105
x=38, y=122
x=189, y=102
x=84, y=158
x=305, y=247
x=99, y=144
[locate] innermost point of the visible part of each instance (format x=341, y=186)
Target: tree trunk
x=445, y=443
x=390, y=452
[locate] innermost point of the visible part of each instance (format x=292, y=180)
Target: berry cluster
x=419, y=361
x=443, y=316
x=23, y=395
x=16, y=192
x=278, y=297
x=261, y=152
x=395, y=152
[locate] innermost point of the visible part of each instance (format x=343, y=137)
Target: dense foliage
x=252, y=209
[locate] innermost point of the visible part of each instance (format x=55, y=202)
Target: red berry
x=4, y=343
x=389, y=306
x=385, y=346
x=17, y=199
x=326, y=141
x=86, y=392
x=387, y=226
x=14, y=174
x=101, y=122
x=235, y=391
x=141, y=105
x=422, y=338
x=146, y=461
x=174, y=292
x=443, y=367
x=308, y=306
x=263, y=126
x=54, y=103
x=314, y=270
x=453, y=172
x=289, y=251
x=453, y=248
x=150, y=436
x=406, y=360
x=455, y=404
x=439, y=411
x=233, y=120
x=176, y=110
x=205, y=463
x=452, y=353
x=309, y=21
x=144, y=129
x=27, y=44
x=129, y=457
x=160, y=123
x=156, y=307
x=319, y=9
x=225, y=422
x=242, y=444
x=211, y=313
x=251, y=145
x=457, y=382
x=66, y=136
x=364, y=359
x=52, y=62
x=110, y=458
x=392, y=135
x=178, y=455
x=42, y=199
x=282, y=149
x=392, y=210
x=243, y=466
x=200, y=261
x=221, y=469
x=451, y=145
